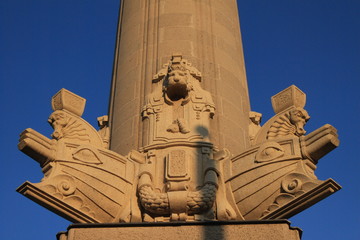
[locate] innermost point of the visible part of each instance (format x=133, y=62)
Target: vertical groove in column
x=112, y=97
x=143, y=67
x=158, y=63
x=214, y=89
x=150, y=59
x=155, y=40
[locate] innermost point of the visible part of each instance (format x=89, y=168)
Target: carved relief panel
x=180, y=178
x=178, y=110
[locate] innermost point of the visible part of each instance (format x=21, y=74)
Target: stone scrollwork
x=63, y=187
x=66, y=185
x=297, y=183
x=292, y=186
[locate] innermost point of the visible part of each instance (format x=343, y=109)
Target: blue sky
x=46, y=45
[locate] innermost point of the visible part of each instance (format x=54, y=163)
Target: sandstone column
x=207, y=34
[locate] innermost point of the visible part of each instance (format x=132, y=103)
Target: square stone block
x=239, y=230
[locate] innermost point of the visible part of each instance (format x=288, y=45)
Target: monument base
x=239, y=230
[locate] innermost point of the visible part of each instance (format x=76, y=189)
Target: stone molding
x=239, y=230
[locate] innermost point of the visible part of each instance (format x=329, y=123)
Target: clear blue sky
x=46, y=45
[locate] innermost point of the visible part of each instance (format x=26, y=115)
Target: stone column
x=177, y=175
x=207, y=34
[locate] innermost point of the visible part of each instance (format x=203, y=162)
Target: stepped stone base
x=239, y=230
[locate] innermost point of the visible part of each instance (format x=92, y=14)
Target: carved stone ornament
x=178, y=175
x=178, y=110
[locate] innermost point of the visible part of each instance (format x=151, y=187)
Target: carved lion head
x=299, y=117
x=58, y=120
x=177, y=84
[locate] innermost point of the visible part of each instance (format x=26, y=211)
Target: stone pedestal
x=240, y=230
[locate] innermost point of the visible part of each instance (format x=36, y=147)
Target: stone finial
x=291, y=96
x=68, y=101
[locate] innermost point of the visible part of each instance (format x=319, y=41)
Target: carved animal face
x=177, y=86
x=58, y=121
x=299, y=117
